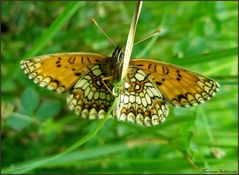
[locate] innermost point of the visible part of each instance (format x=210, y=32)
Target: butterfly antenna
x=102, y=31
x=156, y=32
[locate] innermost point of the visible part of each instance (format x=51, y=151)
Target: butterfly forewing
x=179, y=86
x=60, y=72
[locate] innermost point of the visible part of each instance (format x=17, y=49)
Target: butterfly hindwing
x=59, y=72
x=89, y=98
x=140, y=101
x=179, y=86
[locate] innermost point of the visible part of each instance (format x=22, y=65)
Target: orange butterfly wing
x=180, y=87
x=60, y=71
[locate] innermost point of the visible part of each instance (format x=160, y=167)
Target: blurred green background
x=36, y=123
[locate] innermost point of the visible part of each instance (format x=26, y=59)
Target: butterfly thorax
x=115, y=65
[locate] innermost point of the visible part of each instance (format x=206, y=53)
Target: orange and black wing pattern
x=179, y=86
x=59, y=72
x=80, y=74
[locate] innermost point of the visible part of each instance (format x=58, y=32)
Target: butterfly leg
x=105, y=84
x=115, y=90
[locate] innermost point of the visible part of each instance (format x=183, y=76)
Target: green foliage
x=29, y=100
x=49, y=108
x=40, y=134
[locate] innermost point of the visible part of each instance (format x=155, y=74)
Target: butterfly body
x=148, y=87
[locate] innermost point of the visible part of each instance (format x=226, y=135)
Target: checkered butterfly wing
x=150, y=85
x=179, y=86
x=89, y=96
x=78, y=73
x=140, y=101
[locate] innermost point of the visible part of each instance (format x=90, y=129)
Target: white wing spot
x=80, y=83
x=137, y=87
x=127, y=85
x=96, y=96
x=97, y=72
x=139, y=76
x=132, y=98
x=91, y=94
x=138, y=100
x=126, y=99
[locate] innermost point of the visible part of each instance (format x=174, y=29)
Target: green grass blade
x=69, y=11
x=205, y=58
x=26, y=167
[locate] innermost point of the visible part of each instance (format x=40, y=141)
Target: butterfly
x=149, y=87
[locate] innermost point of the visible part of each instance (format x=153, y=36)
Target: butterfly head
x=118, y=55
